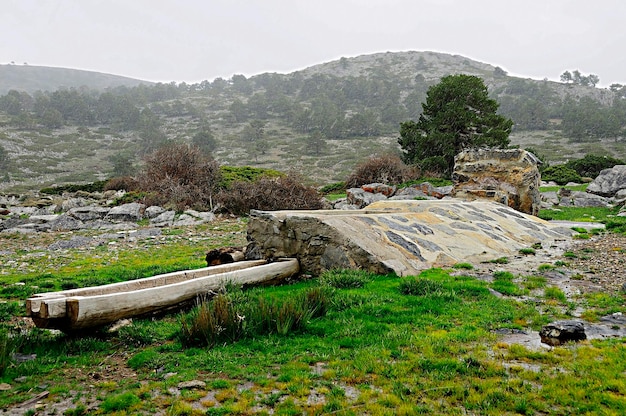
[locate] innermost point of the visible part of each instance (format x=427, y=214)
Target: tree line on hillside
x=458, y=114
x=332, y=106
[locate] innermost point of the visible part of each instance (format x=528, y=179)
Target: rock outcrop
x=403, y=237
x=609, y=182
x=508, y=176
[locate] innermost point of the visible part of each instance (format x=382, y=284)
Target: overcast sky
x=195, y=40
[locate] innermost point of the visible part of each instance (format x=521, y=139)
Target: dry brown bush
x=121, y=183
x=181, y=175
x=269, y=194
x=388, y=169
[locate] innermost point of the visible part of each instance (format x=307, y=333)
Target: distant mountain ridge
x=30, y=78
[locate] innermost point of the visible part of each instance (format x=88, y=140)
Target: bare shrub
x=269, y=194
x=181, y=175
x=388, y=169
x=121, y=183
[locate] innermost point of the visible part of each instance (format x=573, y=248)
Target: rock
x=164, y=219
x=584, y=199
x=343, y=204
x=362, y=198
x=5, y=387
x=74, y=242
x=410, y=192
x=70, y=203
x=192, y=384
x=551, y=198
x=609, y=181
x=66, y=223
x=561, y=332
x=400, y=236
x=201, y=216
x=508, y=176
x=379, y=188
x=89, y=213
x=187, y=219
x=154, y=211
x=128, y=212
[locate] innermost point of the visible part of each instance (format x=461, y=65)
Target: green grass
x=386, y=345
x=580, y=188
x=582, y=214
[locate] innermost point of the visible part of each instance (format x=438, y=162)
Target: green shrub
x=231, y=174
x=591, y=165
x=88, y=187
x=465, y=266
x=561, y=174
x=332, y=188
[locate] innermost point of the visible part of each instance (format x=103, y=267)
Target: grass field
x=424, y=344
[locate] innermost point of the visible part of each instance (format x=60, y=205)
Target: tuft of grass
x=546, y=267
x=119, y=402
x=554, y=293
x=500, y=260
x=346, y=279
x=464, y=266
x=527, y=251
x=225, y=319
x=503, y=283
x=418, y=286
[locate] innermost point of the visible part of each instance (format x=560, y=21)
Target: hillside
x=319, y=121
x=29, y=79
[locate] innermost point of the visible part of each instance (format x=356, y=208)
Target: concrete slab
x=404, y=237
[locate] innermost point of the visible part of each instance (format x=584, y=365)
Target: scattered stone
x=89, y=213
x=74, y=242
x=561, y=332
x=193, y=384
x=362, y=198
x=5, y=387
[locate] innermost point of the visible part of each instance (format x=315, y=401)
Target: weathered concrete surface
x=397, y=236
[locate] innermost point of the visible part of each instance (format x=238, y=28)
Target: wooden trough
x=76, y=309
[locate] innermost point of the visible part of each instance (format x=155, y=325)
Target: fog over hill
x=29, y=79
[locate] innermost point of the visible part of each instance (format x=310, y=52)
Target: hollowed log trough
x=78, y=309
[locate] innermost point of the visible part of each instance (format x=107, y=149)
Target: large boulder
x=403, y=237
x=508, y=176
x=609, y=182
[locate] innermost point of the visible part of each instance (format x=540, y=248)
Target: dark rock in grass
x=561, y=332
